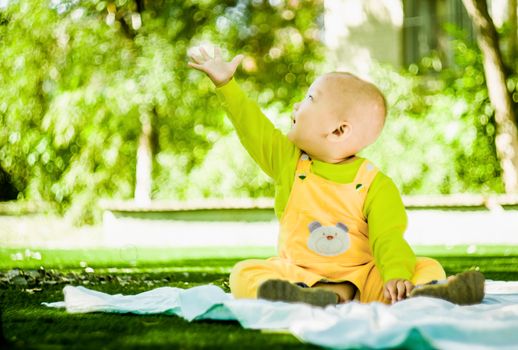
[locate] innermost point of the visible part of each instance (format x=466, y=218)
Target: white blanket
x=490, y=325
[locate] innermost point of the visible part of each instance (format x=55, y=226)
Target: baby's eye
x=310, y=97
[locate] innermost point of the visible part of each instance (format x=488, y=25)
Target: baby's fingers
x=401, y=290
x=196, y=66
x=390, y=293
x=196, y=58
x=386, y=293
x=217, y=52
x=204, y=53
x=409, y=287
x=236, y=61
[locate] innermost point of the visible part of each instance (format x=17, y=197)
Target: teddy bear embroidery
x=328, y=240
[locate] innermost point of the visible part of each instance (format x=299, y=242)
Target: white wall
x=358, y=32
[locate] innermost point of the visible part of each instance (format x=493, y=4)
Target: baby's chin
x=291, y=135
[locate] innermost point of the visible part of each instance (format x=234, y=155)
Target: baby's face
x=316, y=116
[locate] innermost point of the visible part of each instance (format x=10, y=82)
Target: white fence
x=425, y=227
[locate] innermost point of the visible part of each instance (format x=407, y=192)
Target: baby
x=341, y=220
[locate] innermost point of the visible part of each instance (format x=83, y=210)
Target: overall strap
x=303, y=166
x=365, y=175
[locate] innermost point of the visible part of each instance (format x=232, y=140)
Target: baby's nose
x=296, y=106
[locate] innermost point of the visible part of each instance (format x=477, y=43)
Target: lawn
x=27, y=324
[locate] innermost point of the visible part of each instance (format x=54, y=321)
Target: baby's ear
x=341, y=133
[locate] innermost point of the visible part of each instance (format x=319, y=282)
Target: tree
x=513, y=30
x=506, y=130
x=130, y=19
x=80, y=82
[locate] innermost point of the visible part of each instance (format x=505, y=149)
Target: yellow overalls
x=324, y=237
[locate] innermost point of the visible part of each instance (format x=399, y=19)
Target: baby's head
x=340, y=115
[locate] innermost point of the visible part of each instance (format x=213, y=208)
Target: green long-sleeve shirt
x=277, y=157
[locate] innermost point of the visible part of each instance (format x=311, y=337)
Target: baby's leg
x=248, y=275
x=465, y=288
x=345, y=290
x=280, y=290
x=427, y=270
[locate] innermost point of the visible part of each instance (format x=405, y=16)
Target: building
x=397, y=32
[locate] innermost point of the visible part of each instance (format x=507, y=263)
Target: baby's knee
x=425, y=262
x=241, y=277
x=242, y=267
x=428, y=269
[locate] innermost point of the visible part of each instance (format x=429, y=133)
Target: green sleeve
x=387, y=220
x=268, y=146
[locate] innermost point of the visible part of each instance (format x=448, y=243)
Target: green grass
x=129, y=256
x=27, y=324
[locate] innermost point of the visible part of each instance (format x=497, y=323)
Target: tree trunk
x=513, y=33
x=506, y=139
x=144, y=162
x=144, y=167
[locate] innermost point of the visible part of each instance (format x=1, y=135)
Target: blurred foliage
x=77, y=77
x=440, y=134
x=441, y=124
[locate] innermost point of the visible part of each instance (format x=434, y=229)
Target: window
x=424, y=28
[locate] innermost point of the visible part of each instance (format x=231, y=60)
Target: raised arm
x=268, y=146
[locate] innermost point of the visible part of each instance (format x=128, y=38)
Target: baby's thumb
x=236, y=61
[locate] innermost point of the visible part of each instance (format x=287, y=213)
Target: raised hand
x=218, y=70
